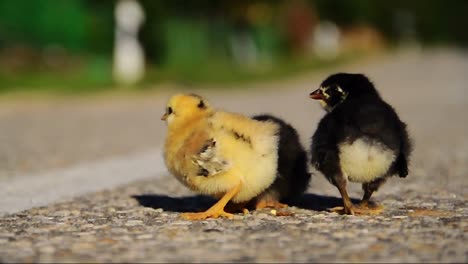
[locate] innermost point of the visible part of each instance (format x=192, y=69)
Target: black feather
x=203, y=172
x=363, y=114
x=242, y=137
x=357, y=84
x=201, y=104
x=293, y=177
x=406, y=147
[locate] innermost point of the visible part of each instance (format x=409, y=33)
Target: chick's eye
x=169, y=110
x=335, y=89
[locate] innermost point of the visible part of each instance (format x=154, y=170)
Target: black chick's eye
x=169, y=110
x=334, y=91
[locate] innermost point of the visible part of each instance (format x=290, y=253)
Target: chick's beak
x=164, y=117
x=316, y=95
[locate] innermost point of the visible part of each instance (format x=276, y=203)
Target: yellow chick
x=225, y=155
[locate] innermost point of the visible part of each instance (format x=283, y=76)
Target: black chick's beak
x=316, y=95
x=164, y=117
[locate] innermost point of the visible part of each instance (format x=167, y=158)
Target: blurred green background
x=69, y=46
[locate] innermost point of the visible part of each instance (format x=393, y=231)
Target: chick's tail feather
x=406, y=147
x=401, y=166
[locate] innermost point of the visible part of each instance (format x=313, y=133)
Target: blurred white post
x=129, y=60
x=244, y=50
x=326, y=40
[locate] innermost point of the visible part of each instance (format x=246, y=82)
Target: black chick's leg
x=348, y=208
x=369, y=188
x=270, y=198
x=237, y=208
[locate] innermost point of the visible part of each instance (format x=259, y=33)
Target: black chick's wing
x=324, y=149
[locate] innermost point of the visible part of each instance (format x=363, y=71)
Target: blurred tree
x=440, y=21
x=435, y=21
x=190, y=35
x=75, y=25
x=100, y=26
x=44, y=23
x=152, y=32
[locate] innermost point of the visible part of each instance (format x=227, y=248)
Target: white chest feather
x=364, y=160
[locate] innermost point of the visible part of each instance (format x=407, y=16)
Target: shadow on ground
x=175, y=204
x=200, y=203
x=318, y=202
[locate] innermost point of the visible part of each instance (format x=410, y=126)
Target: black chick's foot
x=269, y=204
x=370, y=207
x=358, y=210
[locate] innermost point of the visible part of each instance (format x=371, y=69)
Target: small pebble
x=133, y=223
x=145, y=236
x=262, y=216
x=47, y=250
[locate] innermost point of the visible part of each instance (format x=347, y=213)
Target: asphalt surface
x=425, y=217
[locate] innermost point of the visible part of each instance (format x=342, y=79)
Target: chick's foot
x=341, y=210
x=269, y=204
x=207, y=214
x=217, y=210
x=369, y=208
x=357, y=210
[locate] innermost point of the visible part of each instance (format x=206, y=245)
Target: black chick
x=292, y=178
x=360, y=139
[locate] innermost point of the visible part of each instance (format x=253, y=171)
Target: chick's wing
x=194, y=152
x=208, y=161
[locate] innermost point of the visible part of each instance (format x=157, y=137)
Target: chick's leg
x=348, y=208
x=217, y=209
x=369, y=189
x=237, y=208
x=269, y=199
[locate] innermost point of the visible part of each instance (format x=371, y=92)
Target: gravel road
x=425, y=217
